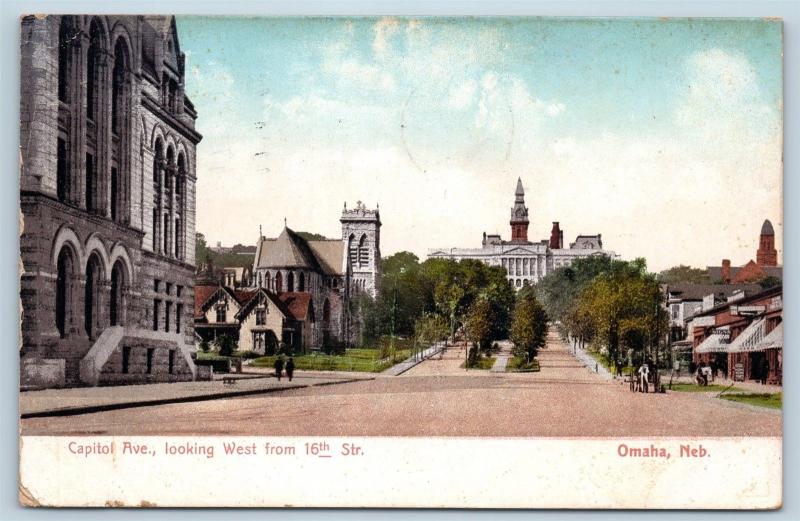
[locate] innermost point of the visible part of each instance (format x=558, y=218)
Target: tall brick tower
x=519, y=215
x=767, y=255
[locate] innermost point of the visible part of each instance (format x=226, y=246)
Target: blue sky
x=628, y=128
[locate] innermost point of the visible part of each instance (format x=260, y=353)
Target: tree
x=201, y=251
x=528, y=326
x=309, y=236
x=226, y=345
x=682, y=273
x=770, y=281
x=478, y=326
x=430, y=328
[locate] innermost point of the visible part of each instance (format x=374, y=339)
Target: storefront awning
x=750, y=338
x=717, y=342
x=774, y=340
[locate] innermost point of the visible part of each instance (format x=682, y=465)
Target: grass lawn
x=361, y=360
x=483, y=364
x=210, y=355
x=692, y=388
x=517, y=364
x=769, y=400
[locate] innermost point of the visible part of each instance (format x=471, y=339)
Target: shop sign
x=738, y=373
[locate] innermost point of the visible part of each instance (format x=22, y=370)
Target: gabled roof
x=252, y=300
x=290, y=250
x=330, y=255
x=201, y=294
x=206, y=294
x=297, y=303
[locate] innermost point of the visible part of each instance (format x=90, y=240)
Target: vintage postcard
x=401, y=262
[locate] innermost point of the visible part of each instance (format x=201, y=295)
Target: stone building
x=526, y=262
x=107, y=194
x=765, y=265
x=317, y=278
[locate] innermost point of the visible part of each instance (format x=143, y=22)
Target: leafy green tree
x=226, y=345
x=431, y=328
x=528, y=326
x=309, y=236
x=770, y=281
x=682, y=273
x=478, y=322
x=201, y=251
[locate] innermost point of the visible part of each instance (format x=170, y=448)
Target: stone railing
x=109, y=341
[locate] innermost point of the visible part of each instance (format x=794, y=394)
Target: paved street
x=439, y=398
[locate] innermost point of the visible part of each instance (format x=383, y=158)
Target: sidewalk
x=503, y=356
x=404, y=366
x=84, y=400
x=590, y=363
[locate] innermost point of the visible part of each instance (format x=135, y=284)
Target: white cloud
x=461, y=96
x=384, y=30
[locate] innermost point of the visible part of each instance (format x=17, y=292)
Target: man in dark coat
x=290, y=368
x=278, y=367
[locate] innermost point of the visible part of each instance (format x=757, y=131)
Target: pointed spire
x=284, y=223
x=520, y=190
x=260, y=234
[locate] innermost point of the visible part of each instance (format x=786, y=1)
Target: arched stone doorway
x=64, y=290
x=91, y=302
x=117, y=299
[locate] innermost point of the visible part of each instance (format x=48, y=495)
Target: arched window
x=180, y=204
x=301, y=282
x=120, y=128
x=363, y=253
x=266, y=280
x=178, y=239
x=278, y=282
x=94, y=193
x=352, y=251
x=290, y=282
x=117, y=304
x=64, y=290
x=158, y=167
x=94, y=282
x=67, y=37
x=326, y=313
x=260, y=281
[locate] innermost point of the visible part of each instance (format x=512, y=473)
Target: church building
x=107, y=194
x=300, y=289
x=526, y=262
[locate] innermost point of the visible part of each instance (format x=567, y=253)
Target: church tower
x=519, y=215
x=361, y=233
x=767, y=255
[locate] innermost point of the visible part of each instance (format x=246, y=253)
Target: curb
x=415, y=364
x=89, y=409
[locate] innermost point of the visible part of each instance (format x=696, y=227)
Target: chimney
x=555, y=236
x=726, y=271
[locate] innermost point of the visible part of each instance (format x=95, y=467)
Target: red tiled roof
x=201, y=295
x=243, y=296
x=296, y=303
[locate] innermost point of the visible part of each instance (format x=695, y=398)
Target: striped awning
x=717, y=342
x=774, y=340
x=749, y=339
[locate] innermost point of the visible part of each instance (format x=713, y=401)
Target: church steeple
x=519, y=215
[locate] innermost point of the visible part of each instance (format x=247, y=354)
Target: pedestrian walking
x=643, y=377
x=290, y=368
x=278, y=367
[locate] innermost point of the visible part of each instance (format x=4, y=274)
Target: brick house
x=746, y=334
